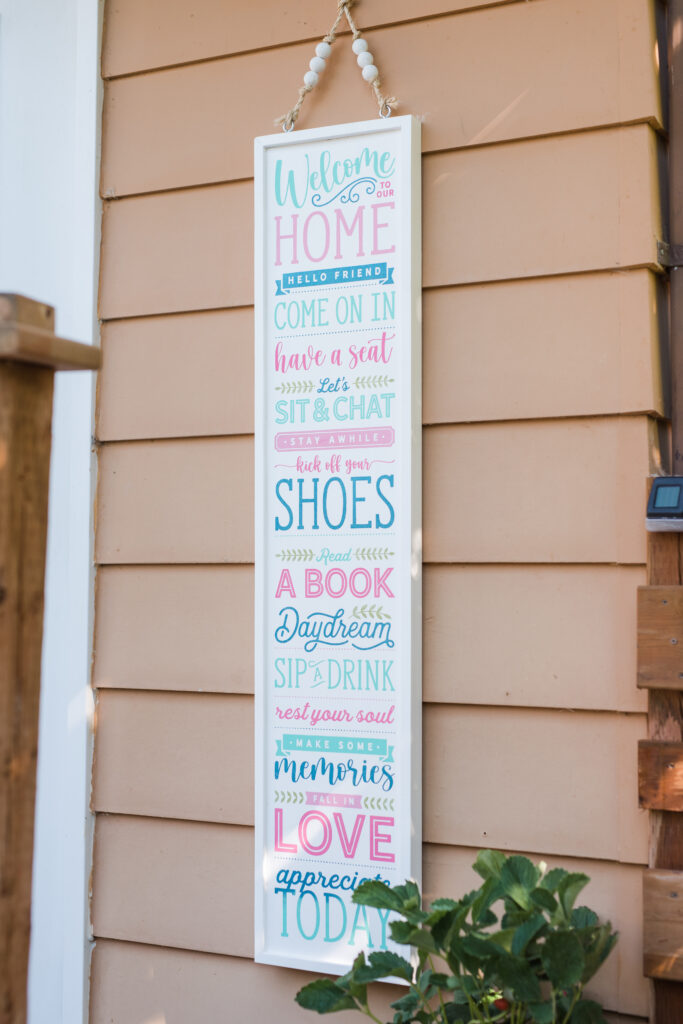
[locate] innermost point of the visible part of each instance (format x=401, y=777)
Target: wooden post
x=660, y=671
x=29, y=355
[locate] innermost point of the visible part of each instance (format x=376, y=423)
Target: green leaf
x=583, y=917
x=489, y=892
x=552, y=879
x=587, y=1012
x=409, y=1003
x=349, y=983
x=516, y=974
x=514, y=916
x=384, y=964
x=469, y=985
x=569, y=888
x=601, y=943
x=409, y=895
x=503, y=938
x=324, y=996
x=541, y=897
x=476, y=946
x=457, y=955
x=424, y=981
x=563, y=959
x=526, y=932
x=376, y=894
x=489, y=863
x=442, y=926
x=541, y=1013
x=444, y=904
x=408, y=935
x=457, y=1014
x=518, y=878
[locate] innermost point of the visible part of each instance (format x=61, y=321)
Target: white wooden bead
x=323, y=50
x=317, y=64
x=359, y=45
x=370, y=73
x=311, y=79
x=364, y=59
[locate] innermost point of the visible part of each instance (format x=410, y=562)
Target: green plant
x=531, y=966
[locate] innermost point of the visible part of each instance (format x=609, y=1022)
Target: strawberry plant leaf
x=526, y=932
x=489, y=863
x=490, y=891
x=384, y=964
x=406, y=1007
x=408, y=935
x=519, y=877
x=457, y=1014
x=541, y=1013
x=582, y=917
x=569, y=888
x=377, y=894
x=516, y=974
x=324, y=996
x=563, y=959
x=588, y=1012
x=541, y=897
x=552, y=879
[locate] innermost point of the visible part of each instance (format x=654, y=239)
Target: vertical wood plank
x=660, y=637
x=665, y=724
x=660, y=776
x=665, y=709
x=25, y=425
x=663, y=920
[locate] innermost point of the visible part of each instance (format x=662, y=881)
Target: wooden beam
x=660, y=776
x=660, y=633
x=25, y=425
x=18, y=309
x=27, y=336
x=29, y=355
x=33, y=345
x=663, y=924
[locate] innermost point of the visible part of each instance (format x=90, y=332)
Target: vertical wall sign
x=338, y=534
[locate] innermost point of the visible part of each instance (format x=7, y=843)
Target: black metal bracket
x=669, y=256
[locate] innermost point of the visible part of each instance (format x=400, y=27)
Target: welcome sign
x=338, y=534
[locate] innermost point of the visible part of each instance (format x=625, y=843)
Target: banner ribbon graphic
x=380, y=273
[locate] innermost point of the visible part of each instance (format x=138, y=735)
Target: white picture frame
x=323, y=473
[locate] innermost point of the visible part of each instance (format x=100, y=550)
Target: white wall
x=49, y=219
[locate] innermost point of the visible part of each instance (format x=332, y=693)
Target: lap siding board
x=548, y=178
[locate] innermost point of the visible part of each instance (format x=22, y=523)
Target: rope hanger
x=317, y=66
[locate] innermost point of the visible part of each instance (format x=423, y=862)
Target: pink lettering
x=326, y=246
x=377, y=227
x=314, y=582
x=279, y=238
x=362, y=589
x=326, y=841
x=377, y=838
x=381, y=583
x=297, y=360
x=374, y=352
x=280, y=846
x=356, y=224
x=285, y=584
x=349, y=846
x=340, y=589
